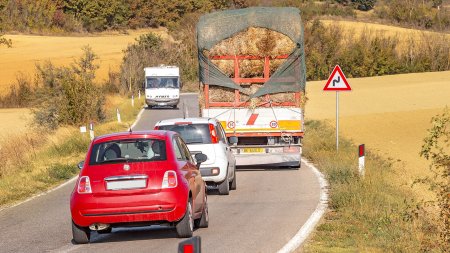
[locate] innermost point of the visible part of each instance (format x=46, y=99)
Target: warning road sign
x=337, y=81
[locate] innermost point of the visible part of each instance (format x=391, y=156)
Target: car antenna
x=184, y=111
x=129, y=129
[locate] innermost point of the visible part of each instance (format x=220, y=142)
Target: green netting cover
x=217, y=26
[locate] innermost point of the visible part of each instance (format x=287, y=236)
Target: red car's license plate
x=126, y=184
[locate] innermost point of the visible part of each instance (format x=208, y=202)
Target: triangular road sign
x=337, y=81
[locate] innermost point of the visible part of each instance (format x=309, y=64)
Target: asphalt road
x=262, y=215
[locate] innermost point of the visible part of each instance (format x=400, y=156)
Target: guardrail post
x=118, y=115
x=361, y=155
x=91, y=130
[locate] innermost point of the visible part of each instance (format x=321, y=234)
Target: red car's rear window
x=130, y=150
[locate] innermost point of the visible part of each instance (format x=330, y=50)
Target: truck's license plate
x=254, y=150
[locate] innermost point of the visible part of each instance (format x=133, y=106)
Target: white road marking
x=315, y=217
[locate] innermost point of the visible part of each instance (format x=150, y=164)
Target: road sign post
x=337, y=82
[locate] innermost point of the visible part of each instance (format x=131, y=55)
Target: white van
x=162, y=86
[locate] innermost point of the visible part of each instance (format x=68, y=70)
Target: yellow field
x=404, y=35
x=27, y=50
x=389, y=114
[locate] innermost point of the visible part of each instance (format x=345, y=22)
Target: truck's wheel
x=203, y=222
x=233, y=183
x=224, y=187
x=185, y=227
x=81, y=235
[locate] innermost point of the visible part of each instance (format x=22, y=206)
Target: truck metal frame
x=286, y=137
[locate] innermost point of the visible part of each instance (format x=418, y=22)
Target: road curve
x=262, y=215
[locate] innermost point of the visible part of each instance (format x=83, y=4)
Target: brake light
x=84, y=185
x=212, y=131
x=156, y=128
x=169, y=179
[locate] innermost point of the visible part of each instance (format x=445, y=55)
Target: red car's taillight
x=84, y=185
x=212, y=131
x=169, y=179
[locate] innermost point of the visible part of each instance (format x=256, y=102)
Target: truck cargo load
x=252, y=76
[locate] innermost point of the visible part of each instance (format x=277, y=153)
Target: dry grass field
x=13, y=121
x=404, y=35
x=389, y=114
x=27, y=50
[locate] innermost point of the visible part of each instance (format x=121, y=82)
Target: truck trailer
x=257, y=96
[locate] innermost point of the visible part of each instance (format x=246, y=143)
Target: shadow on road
x=265, y=168
x=134, y=234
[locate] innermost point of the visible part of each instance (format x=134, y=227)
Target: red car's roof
x=156, y=134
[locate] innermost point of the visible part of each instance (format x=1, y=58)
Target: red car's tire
x=185, y=227
x=81, y=235
x=203, y=222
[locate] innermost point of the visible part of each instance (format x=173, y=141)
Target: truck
x=269, y=131
x=162, y=86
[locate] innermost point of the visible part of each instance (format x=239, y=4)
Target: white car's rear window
x=191, y=133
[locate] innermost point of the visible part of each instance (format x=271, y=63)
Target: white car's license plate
x=126, y=184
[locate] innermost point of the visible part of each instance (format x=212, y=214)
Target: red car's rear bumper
x=164, y=206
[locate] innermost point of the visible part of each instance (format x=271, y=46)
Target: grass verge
x=370, y=214
x=36, y=162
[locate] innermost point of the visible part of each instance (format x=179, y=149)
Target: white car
x=207, y=136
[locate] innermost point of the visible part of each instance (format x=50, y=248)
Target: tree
x=436, y=149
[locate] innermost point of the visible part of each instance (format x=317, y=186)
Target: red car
x=138, y=179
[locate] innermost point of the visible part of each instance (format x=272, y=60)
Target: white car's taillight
x=169, y=179
x=84, y=185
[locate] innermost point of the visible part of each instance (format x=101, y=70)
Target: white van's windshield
x=162, y=82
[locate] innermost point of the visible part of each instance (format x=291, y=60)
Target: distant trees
x=363, y=5
x=98, y=15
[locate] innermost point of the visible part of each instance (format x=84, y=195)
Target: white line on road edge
x=312, y=221
x=67, y=182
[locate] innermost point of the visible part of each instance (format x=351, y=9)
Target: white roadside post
x=139, y=96
x=361, y=162
x=118, y=115
x=337, y=82
x=83, y=129
x=91, y=130
x=132, y=100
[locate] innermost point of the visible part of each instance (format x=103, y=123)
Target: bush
x=416, y=13
x=68, y=95
x=363, y=5
x=20, y=94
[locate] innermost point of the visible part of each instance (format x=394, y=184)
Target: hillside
x=27, y=50
x=390, y=114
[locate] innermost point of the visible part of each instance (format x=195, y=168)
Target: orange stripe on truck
x=252, y=119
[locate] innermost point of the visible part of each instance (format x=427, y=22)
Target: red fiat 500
x=138, y=179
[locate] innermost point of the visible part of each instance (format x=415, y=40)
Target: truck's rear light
x=169, y=179
x=84, y=185
x=212, y=131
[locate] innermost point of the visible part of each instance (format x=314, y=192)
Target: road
x=262, y=215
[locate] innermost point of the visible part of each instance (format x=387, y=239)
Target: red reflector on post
x=188, y=248
x=361, y=150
